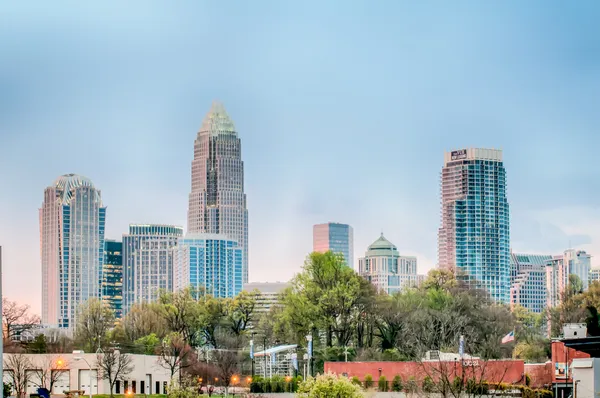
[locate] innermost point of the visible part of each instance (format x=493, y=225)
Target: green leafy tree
x=397, y=384
x=148, y=345
x=239, y=311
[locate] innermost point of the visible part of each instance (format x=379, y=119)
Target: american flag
x=509, y=337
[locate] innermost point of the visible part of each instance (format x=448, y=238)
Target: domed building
x=72, y=222
x=385, y=268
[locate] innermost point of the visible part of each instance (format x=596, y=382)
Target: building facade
x=339, y=238
x=209, y=261
x=528, y=287
x=148, y=262
x=71, y=372
x=217, y=202
x=267, y=294
x=473, y=240
x=571, y=262
x=386, y=269
x=594, y=275
x=72, y=222
x=112, y=277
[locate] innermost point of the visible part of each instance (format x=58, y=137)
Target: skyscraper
x=148, y=262
x=217, y=202
x=339, y=238
x=571, y=262
x=112, y=277
x=386, y=269
x=72, y=220
x=208, y=261
x=473, y=239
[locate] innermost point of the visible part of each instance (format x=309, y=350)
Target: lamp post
x=78, y=356
x=309, y=339
x=265, y=352
x=252, y=352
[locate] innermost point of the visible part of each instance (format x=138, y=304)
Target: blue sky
x=345, y=109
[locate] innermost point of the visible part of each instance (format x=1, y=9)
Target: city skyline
x=420, y=82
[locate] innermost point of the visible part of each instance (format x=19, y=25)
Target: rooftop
x=217, y=121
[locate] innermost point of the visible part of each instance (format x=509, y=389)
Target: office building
x=386, y=269
x=72, y=221
x=335, y=237
x=571, y=262
x=112, y=277
x=148, y=262
x=594, y=275
x=267, y=294
x=217, y=202
x=473, y=240
x=210, y=262
x=528, y=287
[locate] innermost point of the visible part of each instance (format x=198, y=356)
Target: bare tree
x=227, y=363
x=17, y=319
x=142, y=320
x=94, y=320
x=174, y=353
x=112, y=366
x=17, y=366
x=50, y=368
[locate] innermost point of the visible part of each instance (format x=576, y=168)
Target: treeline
x=342, y=312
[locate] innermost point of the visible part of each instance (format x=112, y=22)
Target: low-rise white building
x=147, y=376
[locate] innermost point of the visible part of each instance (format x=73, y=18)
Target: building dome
x=217, y=121
x=381, y=247
x=68, y=182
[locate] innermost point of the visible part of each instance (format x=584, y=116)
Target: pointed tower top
x=217, y=121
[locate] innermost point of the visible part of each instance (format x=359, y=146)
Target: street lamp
x=78, y=356
x=309, y=339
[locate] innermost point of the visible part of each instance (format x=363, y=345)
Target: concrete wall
x=75, y=374
x=586, y=373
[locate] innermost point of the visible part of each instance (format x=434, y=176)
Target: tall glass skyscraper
x=473, y=239
x=335, y=237
x=148, y=262
x=211, y=262
x=217, y=202
x=112, y=276
x=72, y=221
x=528, y=281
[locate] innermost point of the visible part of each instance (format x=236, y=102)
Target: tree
x=173, y=353
x=142, y=320
x=94, y=320
x=329, y=385
x=50, y=369
x=17, y=366
x=239, y=311
x=17, y=319
x=147, y=345
x=112, y=366
x=180, y=312
x=38, y=345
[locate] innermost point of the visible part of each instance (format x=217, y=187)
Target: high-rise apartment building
x=217, y=202
x=209, y=261
x=473, y=240
x=528, y=288
x=579, y=263
x=594, y=275
x=335, y=237
x=72, y=221
x=386, y=269
x=148, y=262
x=112, y=277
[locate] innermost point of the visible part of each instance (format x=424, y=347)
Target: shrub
x=368, y=381
x=277, y=384
x=257, y=385
x=329, y=385
x=428, y=384
x=356, y=381
x=382, y=384
x=397, y=384
x=177, y=392
x=476, y=388
x=527, y=380
x=411, y=385
x=7, y=390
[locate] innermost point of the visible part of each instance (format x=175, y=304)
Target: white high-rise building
x=72, y=220
x=217, y=202
x=148, y=262
x=386, y=269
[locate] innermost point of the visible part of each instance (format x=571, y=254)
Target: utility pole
x=265, y=352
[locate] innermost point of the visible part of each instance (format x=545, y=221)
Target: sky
x=344, y=108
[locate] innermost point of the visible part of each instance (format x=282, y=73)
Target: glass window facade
x=211, y=262
x=474, y=238
x=335, y=237
x=112, y=278
x=528, y=286
x=148, y=262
